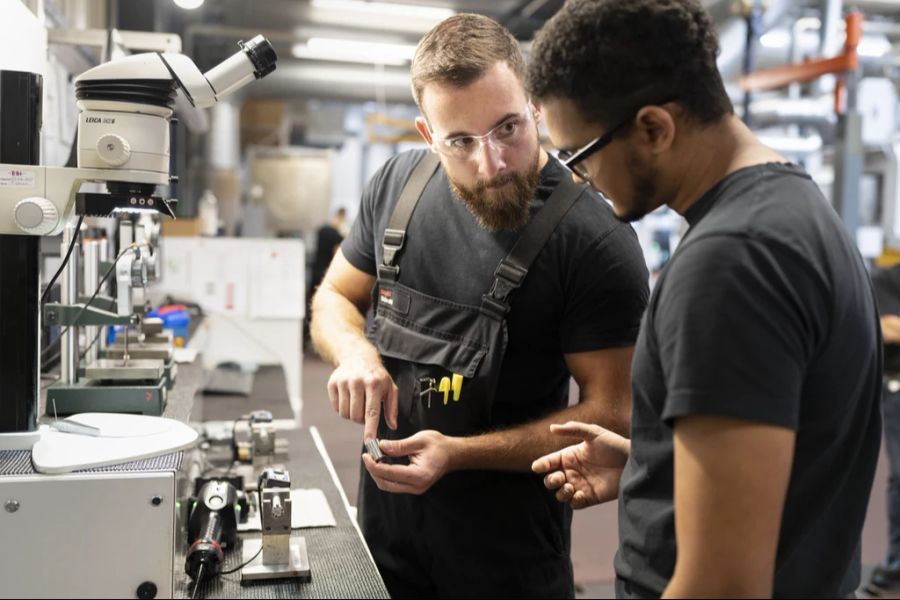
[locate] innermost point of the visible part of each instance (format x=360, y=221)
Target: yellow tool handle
x=456, y=386
x=444, y=386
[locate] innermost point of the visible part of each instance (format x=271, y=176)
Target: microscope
x=130, y=514
x=123, y=142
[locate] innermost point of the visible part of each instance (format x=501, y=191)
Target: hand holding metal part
x=430, y=458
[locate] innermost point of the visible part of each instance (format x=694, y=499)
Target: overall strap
x=395, y=234
x=512, y=270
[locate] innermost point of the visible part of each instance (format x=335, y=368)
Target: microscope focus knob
x=113, y=149
x=36, y=215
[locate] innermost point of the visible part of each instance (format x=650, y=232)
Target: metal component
x=262, y=442
x=280, y=556
x=157, y=351
x=373, y=450
x=79, y=314
x=109, y=508
x=163, y=338
x=137, y=370
x=156, y=500
x=428, y=383
x=69, y=295
x=147, y=398
x=297, y=566
x=70, y=426
x=848, y=167
x=152, y=326
x=91, y=280
x=11, y=506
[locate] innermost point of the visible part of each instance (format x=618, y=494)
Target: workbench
x=340, y=563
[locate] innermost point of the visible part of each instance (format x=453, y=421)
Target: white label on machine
x=16, y=178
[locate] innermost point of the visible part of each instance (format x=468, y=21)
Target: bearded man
x=494, y=279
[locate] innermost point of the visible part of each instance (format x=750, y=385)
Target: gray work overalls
x=474, y=533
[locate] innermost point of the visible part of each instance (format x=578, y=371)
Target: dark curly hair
x=611, y=57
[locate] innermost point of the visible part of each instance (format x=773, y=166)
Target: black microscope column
x=20, y=126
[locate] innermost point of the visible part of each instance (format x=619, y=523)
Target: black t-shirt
x=586, y=290
x=764, y=313
x=887, y=291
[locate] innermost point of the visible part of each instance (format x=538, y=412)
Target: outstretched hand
x=586, y=473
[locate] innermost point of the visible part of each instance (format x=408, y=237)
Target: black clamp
x=393, y=244
x=507, y=278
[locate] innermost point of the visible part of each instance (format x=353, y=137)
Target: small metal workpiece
x=427, y=385
x=373, y=449
x=70, y=426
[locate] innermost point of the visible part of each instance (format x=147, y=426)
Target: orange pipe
x=847, y=60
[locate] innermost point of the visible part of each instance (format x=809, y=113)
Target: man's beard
x=643, y=197
x=505, y=209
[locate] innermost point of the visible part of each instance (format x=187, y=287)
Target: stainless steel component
x=281, y=556
x=159, y=351
x=164, y=337
x=373, y=450
x=152, y=326
x=91, y=280
x=71, y=426
x=135, y=370
x=11, y=506
x=69, y=295
x=262, y=442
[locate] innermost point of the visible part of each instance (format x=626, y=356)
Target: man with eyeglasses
x=756, y=376
x=494, y=278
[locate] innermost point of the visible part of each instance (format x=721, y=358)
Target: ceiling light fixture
x=189, y=4
x=385, y=9
x=355, y=51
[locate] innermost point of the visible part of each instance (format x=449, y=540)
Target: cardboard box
x=181, y=227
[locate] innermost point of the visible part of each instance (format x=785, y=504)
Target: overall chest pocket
x=442, y=360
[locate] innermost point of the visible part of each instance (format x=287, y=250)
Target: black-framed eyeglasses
x=571, y=159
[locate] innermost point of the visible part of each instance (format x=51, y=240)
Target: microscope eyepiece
x=261, y=54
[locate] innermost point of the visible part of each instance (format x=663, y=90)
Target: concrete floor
x=594, y=531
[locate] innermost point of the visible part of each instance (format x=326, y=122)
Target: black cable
x=94, y=341
x=249, y=560
x=198, y=580
x=65, y=260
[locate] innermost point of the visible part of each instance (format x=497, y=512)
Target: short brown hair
x=460, y=49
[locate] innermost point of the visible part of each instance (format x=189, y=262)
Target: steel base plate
x=256, y=570
x=160, y=351
x=136, y=370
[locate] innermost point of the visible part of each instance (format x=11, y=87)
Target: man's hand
x=357, y=390
x=430, y=453
x=587, y=473
x=890, y=328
